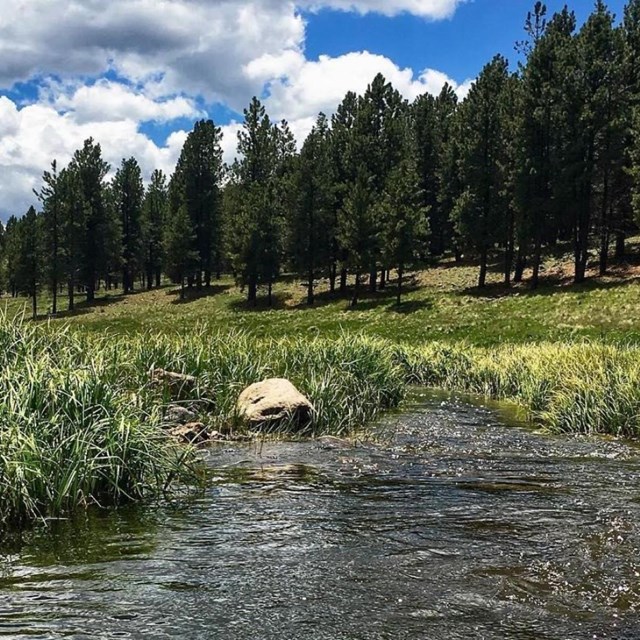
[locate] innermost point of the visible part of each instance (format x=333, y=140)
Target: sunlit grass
x=81, y=419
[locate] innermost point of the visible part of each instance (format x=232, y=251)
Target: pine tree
x=310, y=222
x=378, y=145
x=128, y=195
x=480, y=212
x=591, y=68
x=50, y=197
x=100, y=224
x=255, y=241
x=355, y=228
x=196, y=186
x=154, y=214
x=73, y=229
x=28, y=269
x=180, y=256
x=405, y=226
x=345, y=172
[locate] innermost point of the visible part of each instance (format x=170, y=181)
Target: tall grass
x=585, y=387
x=81, y=420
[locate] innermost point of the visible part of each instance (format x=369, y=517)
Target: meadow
x=82, y=421
x=441, y=304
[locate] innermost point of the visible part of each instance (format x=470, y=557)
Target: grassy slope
x=442, y=304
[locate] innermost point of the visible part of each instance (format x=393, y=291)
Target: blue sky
x=136, y=74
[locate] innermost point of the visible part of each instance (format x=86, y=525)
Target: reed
x=81, y=421
x=585, y=387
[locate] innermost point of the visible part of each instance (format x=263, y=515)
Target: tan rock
x=274, y=402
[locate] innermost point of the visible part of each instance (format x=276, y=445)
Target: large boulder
x=274, y=403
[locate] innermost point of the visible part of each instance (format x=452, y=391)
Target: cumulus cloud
x=32, y=136
x=430, y=9
x=113, y=101
x=198, y=47
x=300, y=88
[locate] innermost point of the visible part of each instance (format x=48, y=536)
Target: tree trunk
x=537, y=259
x=373, y=280
x=356, y=290
x=332, y=277
x=310, y=296
x=399, y=293
x=521, y=263
x=182, y=290
x=252, y=294
x=158, y=277
x=270, y=294
x=54, y=291
x=91, y=291
x=71, y=293
x=383, y=279
x=207, y=278
x=482, y=280
x=149, y=278
x=343, y=281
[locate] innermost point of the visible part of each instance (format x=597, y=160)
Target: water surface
x=452, y=525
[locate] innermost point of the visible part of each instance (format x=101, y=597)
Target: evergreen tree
x=73, y=223
x=180, y=256
x=355, y=228
x=101, y=226
x=154, y=214
x=345, y=171
x=255, y=225
x=196, y=186
x=128, y=195
x=310, y=223
x=405, y=224
x=480, y=212
x=29, y=260
x=50, y=197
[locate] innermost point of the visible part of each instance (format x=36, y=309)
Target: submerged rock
x=274, y=402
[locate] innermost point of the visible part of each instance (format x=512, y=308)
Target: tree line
x=529, y=159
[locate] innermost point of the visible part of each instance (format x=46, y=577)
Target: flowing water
x=453, y=525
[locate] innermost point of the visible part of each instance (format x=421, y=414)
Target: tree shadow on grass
x=191, y=295
x=278, y=302
x=410, y=306
x=549, y=285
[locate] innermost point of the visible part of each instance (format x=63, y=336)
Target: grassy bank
x=81, y=421
x=587, y=387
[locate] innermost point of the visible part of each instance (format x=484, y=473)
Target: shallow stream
x=458, y=523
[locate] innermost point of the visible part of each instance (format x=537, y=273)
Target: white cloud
x=34, y=135
x=430, y=9
x=299, y=88
x=196, y=47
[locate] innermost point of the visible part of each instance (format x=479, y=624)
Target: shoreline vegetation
x=82, y=421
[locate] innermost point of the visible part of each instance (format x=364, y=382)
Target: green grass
x=441, y=305
x=81, y=420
